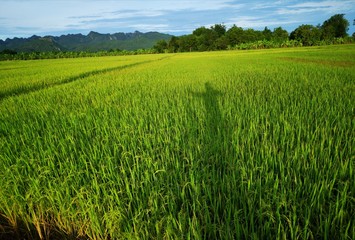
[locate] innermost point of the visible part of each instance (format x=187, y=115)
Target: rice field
x=216, y=145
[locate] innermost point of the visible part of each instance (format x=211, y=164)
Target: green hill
x=92, y=42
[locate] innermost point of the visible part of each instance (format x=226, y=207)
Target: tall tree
x=161, y=46
x=251, y=35
x=188, y=43
x=221, y=43
x=308, y=34
x=335, y=27
x=220, y=29
x=267, y=34
x=206, y=37
x=235, y=35
x=173, y=45
x=279, y=35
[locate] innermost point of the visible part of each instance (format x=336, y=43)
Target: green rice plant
x=216, y=145
x=21, y=77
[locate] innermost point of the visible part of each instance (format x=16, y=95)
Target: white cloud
x=320, y=6
x=150, y=27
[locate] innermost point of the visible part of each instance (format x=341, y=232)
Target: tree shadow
x=212, y=162
x=212, y=134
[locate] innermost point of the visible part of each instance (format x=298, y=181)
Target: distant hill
x=92, y=42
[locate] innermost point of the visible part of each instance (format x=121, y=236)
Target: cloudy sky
x=23, y=18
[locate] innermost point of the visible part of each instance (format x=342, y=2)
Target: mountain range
x=92, y=42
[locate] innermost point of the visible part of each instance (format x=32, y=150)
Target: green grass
x=220, y=145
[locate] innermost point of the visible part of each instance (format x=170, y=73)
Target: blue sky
x=23, y=18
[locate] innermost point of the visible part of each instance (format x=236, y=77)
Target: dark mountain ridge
x=92, y=42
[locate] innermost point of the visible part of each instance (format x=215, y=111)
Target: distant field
x=219, y=145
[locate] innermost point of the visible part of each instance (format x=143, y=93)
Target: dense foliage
x=333, y=31
x=13, y=55
x=213, y=145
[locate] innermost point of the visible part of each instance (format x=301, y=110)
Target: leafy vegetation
x=13, y=55
x=215, y=145
x=333, y=31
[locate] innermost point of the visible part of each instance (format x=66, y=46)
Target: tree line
x=13, y=55
x=218, y=37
